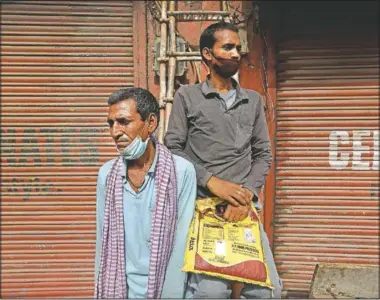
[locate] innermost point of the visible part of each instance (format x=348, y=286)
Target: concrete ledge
x=345, y=281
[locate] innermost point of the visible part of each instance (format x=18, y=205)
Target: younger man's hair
x=207, y=39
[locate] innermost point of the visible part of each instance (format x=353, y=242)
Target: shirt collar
x=208, y=89
x=151, y=169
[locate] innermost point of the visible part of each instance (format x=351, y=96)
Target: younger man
x=221, y=128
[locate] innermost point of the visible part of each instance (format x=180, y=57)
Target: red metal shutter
x=327, y=161
x=60, y=60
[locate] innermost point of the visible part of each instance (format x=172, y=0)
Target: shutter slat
x=60, y=60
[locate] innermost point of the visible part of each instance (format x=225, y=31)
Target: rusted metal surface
x=59, y=63
x=271, y=107
x=327, y=158
x=139, y=44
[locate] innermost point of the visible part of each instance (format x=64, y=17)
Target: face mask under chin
x=227, y=67
x=226, y=71
x=135, y=149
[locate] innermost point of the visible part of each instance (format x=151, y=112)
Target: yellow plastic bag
x=223, y=249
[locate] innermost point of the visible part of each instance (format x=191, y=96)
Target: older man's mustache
x=123, y=138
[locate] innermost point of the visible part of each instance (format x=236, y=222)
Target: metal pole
x=170, y=53
x=180, y=58
x=197, y=12
x=163, y=41
x=172, y=65
x=225, y=9
x=224, y=6
x=188, y=58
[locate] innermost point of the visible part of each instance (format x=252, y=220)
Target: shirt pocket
x=243, y=135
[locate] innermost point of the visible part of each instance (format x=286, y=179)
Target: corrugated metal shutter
x=327, y=162
x=60, y=60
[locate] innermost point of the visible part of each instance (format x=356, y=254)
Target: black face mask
x=228, y=66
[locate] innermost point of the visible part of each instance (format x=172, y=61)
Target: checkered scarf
x=112, y=280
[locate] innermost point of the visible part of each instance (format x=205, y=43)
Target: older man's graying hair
x=146, y=103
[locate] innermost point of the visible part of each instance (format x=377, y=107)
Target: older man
x=145, y=202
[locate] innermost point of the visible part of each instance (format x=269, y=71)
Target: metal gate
x=327, y=141
x=60, y=60
x=327, y=162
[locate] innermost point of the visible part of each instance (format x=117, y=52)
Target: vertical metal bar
x=163, y=41
x=172, y=65
x=270, y=185
x=225, y=8
x=139, y=40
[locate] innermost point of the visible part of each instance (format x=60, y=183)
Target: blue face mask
x=135, y=149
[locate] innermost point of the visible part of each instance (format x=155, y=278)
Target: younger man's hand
x=249, y=193
x=231, y=192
